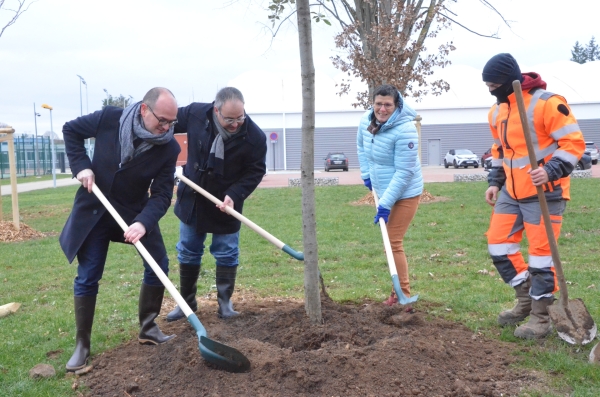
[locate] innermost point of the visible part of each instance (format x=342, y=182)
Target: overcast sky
x=195, y=47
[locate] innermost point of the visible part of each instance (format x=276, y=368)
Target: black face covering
x=502, y=69
x=501, y=93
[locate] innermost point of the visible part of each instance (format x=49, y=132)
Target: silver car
x=592, y=150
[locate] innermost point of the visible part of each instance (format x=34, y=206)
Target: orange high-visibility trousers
x=509, y=219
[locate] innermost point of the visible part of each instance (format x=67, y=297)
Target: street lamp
x=52, y=144
x=35, y=148
x=82, y=80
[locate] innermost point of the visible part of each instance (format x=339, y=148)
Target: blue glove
x=367, y=183
x=382, y=213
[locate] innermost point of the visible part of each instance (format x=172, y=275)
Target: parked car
x=487, y=164
x=585, y=162
x=461, y=158
x=336, y=161
x=592, y=150
x=486, y=155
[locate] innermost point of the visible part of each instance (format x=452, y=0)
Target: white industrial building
x=456, y=119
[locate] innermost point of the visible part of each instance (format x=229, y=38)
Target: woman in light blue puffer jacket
x=388, y=153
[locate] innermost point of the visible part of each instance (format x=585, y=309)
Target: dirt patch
x=359, y=350
x=426, y=197
x=9, y=233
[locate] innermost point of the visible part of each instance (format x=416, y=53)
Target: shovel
x=272, y=239
x=572, y=320
x=215, y=353
x=402, y=299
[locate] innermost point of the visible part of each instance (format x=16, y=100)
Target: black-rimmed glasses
x=162, y=122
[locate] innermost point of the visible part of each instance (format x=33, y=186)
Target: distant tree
x=578, y=53
x=14, y=8
x=593, y=51
x=589, y=53
x=119, y=101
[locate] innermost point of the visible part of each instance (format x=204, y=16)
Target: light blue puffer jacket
x=390, y=158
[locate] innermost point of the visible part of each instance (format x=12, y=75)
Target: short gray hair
x=152, y=96
x=228, y=94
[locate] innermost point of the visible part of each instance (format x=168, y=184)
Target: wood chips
x=8, y=232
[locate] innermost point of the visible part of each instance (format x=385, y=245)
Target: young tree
x=14, y=8
x=578, y=53
x=312, y=300
x=385, y=40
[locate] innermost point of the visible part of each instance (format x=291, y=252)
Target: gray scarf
x=132, y=126
x=216, y=158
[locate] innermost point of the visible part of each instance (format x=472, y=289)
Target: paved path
x=280, y=178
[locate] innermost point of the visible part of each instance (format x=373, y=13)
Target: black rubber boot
x=151, y=298
x=85, y=306
x=188, y=277
x=225, y=281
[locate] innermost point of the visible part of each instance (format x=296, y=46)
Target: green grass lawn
x=447, y=254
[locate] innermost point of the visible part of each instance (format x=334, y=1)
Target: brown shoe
x=392, y=300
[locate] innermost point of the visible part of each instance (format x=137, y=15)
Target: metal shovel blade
x=218, y=354
x=225, y=357
x=402, y=299
x=573, y=323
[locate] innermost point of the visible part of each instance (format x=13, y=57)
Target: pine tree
x=592, y=50
x=578, y=53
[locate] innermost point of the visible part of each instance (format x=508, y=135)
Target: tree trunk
x=312, y=301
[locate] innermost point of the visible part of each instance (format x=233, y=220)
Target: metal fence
x=33, y=156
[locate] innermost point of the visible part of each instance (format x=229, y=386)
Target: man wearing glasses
x=226, y=157
x=135, y=152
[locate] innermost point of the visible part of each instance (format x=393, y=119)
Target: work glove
x=367, y=183
x=383, y=213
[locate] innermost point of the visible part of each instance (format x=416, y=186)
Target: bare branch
x=493, y=36
x=23, y=6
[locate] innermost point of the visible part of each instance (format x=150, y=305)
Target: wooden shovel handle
x=564, y=295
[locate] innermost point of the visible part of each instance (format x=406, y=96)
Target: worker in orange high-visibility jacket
x=558, y=144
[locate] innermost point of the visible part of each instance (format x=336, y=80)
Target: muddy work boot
x=539, y=325
x=521, y=310
x=151, y=298
x=188, y=278
x=225, y=280
x=85, y=306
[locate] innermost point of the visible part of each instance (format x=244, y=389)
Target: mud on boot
x=539, y=324
x=521, y=310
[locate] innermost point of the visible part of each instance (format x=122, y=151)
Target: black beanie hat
x=501, y=69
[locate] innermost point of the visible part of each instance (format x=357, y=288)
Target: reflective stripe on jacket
x=556, y=137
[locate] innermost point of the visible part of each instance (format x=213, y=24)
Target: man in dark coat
x=226, y=157
x=134, y=152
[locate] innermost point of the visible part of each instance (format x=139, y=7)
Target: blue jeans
x=190, y=248
x=92, y=258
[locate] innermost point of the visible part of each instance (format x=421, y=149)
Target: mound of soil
x=364, y=350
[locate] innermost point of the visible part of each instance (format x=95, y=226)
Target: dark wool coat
x=125, y=187
x=244, y=169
